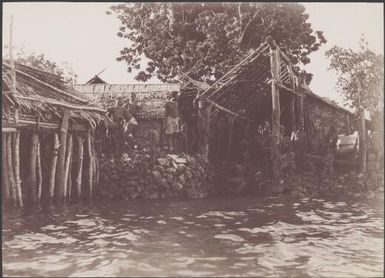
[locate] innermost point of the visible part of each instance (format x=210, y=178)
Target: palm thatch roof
x=150, y=97
x=45, y=95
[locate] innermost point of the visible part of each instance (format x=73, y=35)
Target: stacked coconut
x=173, y=176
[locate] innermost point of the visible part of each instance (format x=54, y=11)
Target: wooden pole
x=292, y=113
x=362, y=138
x=276, y=113
x=67, y=163
x=79, y=169
x=39, y=171
x=5, y=170
x=348, y=124
x=52, y=176
x=16, y=161
x=10, y=169
x=361, y=129
x=60, y=172
x=90, y=164
x=32, y=167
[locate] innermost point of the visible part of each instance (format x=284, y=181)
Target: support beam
x=16, y=161
x=60, y=174
x=79, y=166
x=11, y=171
x=32, y=181
x=292, y=113
x=362, y=138
x=39, y=180
x=90, y=165
x=68, y=161
x=6, y=186
x=276, y=113
x=52, y=175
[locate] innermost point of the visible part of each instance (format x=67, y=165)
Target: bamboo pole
x=12, y=181
x=32, y=167
x=60, y=172
x=67, y=163
x=90, y=164
x=79, y=169
x=39, y=171
x=5, y=170
x=276, y=113
x=52, y=175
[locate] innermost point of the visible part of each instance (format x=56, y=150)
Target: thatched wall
x=320, y=116
x=150, y=97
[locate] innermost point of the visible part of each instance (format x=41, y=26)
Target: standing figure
x=120, y=116
x=171, y=121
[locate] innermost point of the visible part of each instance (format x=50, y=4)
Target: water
x=215, y=237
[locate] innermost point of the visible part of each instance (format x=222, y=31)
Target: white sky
x=82, y=35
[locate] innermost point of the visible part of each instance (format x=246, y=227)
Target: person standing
x=121, y=117
x=171, y=121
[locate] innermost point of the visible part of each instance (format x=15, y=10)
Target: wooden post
x=67, y=163
x=52, y=176
x=5, y=170
x=361, y=129
x=276, y=113
x=60, y=172
x=300, y=120
x=293, y=124
x=16, y=161
x=79, y=164
x=348, y=124
x=204, y=115
x=10, y=169
x=362, y=138
x=39, y=171
x=32, y=167
x=90, y=164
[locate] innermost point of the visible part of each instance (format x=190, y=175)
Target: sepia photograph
x=192, y=139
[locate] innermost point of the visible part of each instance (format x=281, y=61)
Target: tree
x=361, y=82
x=39, y=61
x=360, y=76
x=206, y=39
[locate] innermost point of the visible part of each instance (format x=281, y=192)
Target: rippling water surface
x=215, y=237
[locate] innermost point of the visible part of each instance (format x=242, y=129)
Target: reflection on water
x=215, y=237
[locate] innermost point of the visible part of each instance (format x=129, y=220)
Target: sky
x=84, y=36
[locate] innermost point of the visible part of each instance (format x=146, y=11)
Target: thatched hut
x=263, y=96
x=48, y=137
x=150, y=99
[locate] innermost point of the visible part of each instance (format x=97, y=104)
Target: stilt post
x=276, y=113
x=60, y=173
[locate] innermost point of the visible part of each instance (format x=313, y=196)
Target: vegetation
x=205, y=40
x=39, y=61
x=361, y=76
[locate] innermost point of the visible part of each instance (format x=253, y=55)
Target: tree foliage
x=361, y=76
x=207, y=39
x=39, y=61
